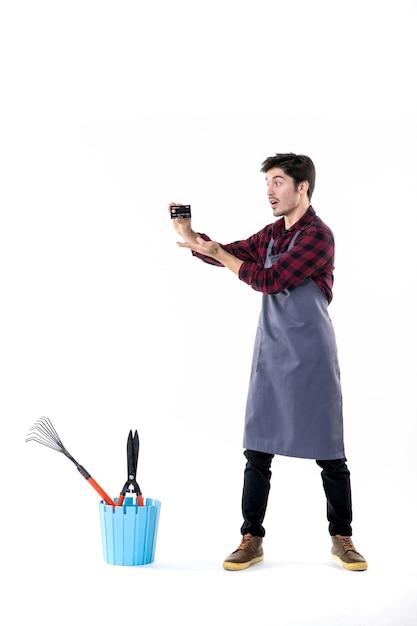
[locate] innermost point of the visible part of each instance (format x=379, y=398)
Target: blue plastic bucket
x=129, y=531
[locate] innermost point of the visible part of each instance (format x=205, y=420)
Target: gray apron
x=294, y=405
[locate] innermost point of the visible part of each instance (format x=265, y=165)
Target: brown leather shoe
x=345, y=553
x=248, y=553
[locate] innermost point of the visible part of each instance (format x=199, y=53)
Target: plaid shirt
x=312, y=256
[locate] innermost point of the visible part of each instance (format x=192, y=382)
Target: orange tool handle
x=99, y=490
x=122, y=498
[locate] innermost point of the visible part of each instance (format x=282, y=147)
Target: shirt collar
x=306, y=219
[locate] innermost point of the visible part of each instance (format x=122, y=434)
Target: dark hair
x=298, y=166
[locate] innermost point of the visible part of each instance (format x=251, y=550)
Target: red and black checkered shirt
x=312, y=256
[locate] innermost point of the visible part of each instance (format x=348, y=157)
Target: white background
x=109, y=111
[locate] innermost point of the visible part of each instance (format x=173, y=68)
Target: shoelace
x=347, y=544
x=245, y=541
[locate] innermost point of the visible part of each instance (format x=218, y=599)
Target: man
x=294, y=404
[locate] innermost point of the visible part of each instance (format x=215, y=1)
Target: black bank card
x=182, y=211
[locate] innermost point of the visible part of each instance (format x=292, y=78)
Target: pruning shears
x=131, y=485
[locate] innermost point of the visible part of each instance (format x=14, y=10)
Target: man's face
x=282, y=195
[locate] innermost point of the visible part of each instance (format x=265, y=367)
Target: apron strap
x=292, y=242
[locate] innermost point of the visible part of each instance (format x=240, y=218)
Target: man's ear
x=303, y=187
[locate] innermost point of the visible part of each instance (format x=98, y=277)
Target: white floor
x=61, y=586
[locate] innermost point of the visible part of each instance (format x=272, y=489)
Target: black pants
x=257, y=482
